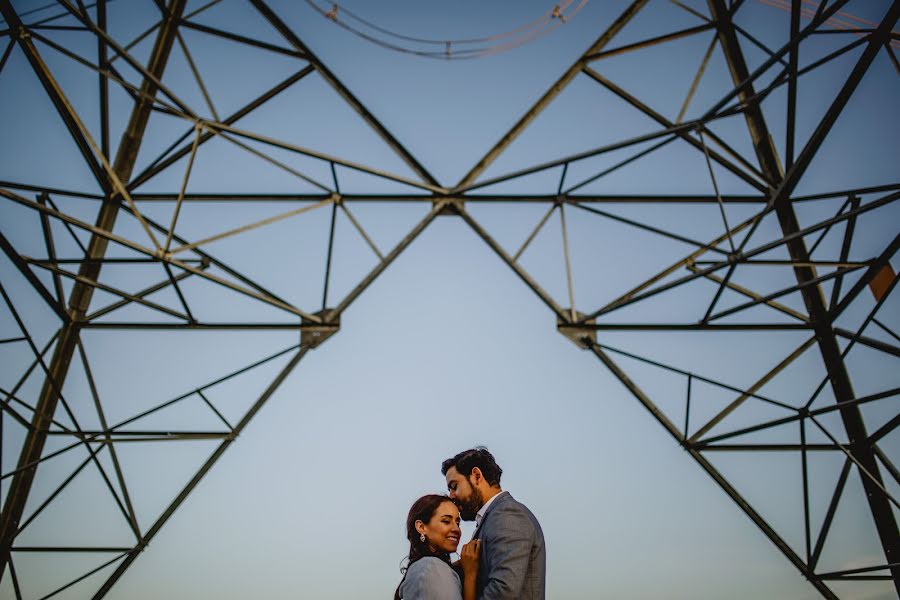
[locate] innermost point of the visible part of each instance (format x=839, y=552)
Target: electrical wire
x=835, y=22
x=450, y=49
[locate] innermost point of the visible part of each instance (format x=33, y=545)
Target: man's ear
x=476, y=476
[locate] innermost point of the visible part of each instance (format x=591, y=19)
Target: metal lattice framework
x=89, y=240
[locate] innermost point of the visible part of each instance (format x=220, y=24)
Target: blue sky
x=448, y=348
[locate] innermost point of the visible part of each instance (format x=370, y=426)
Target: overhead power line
x=449, y=49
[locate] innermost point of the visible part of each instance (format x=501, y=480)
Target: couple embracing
x=506, y=557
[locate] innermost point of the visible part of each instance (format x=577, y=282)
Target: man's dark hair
x=479, y=457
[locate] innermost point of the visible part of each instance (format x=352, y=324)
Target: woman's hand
x=468, y=558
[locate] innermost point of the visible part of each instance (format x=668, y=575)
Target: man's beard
x=469, y=508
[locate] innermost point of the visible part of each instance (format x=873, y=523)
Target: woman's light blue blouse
x=430, y=578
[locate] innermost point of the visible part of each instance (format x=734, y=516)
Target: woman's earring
x=421, y=537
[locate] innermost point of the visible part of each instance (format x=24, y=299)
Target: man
x=513, y=560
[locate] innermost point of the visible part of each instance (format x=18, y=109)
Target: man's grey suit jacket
x=513, y=558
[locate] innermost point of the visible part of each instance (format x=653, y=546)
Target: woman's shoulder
x=429, y=564
x=430, y=577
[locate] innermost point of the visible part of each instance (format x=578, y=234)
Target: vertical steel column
x=812, y=294
x=80, y=299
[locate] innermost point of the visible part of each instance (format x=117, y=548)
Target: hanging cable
x=445, y=49
x=841, y=22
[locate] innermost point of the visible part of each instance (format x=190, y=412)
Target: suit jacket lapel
x=477, y=533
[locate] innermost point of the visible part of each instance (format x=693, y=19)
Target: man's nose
x=452, y=495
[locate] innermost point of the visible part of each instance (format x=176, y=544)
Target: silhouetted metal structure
x=773, y=176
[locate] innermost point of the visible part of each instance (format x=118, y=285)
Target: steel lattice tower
x=103, y=254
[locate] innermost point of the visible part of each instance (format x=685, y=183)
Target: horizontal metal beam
x=201, y=325
x=71, y=549
x=762, y=327
x=766, y=447
x=472, y=198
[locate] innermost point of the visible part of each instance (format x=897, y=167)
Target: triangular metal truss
x=105, y=260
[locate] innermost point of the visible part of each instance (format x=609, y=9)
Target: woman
x=432, y=528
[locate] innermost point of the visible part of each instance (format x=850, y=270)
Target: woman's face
x=442, y=530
